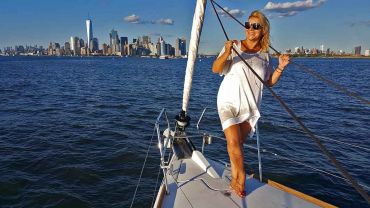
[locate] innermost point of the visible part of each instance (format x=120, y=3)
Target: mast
x=192, y=55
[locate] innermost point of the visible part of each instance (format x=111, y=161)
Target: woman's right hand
x=220, y=62
x=228, y=47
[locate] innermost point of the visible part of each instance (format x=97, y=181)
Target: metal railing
x=163, y=145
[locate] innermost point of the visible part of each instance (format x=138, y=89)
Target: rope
x=331, y=157
x=294, y=161
x=314, y=168
x=142, y=169
x=181, y=183
x=208, y=186
x=327, y=138
x=305, y=68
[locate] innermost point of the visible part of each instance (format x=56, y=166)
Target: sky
x=336, y=24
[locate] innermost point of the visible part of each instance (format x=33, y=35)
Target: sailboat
x=190, y=179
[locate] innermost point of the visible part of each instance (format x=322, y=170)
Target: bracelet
x=278, y=69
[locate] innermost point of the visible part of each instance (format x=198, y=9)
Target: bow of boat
x=196, y=181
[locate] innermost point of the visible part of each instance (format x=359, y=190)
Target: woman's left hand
x=283, y=61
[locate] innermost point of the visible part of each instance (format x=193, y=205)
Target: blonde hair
x=265, y=40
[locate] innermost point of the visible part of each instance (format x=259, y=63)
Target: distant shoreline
x=329, y=57
x=201, y=56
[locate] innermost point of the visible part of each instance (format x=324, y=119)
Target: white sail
x=193, y=50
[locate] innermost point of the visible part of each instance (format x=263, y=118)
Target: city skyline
x=117, y=46
x=293, y=23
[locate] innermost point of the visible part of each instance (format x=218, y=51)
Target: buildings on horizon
x=140, y=46
x=301, y=51
x=143, y=46
x=117, y=46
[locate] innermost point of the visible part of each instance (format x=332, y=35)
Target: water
x=74, y=131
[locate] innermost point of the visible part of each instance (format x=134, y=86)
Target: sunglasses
x=255, y=26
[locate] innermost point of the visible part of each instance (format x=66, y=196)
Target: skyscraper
x=124, y=41
x=67, y=49
x=163, y=46
x=114, y=41
x=146, y=40
x=105, y=49
x=89, y=31
x=358, y=51
x=72, y=43
x=124, y=45
x=81, y=43
x=180, y=47
x=158, y=48
x=94, y=45
x=75, y=45
x=183, y=46
x=177, y=47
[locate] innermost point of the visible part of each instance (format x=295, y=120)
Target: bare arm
x=283, y=62
x=221, y=61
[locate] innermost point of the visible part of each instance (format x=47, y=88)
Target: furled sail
x=193, y=50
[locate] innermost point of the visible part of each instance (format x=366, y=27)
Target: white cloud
x=134, y=19
x=291, y=8
x=165, y=21
x=238, y=13
x=288, y=14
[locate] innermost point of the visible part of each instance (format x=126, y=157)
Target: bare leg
x=235, y=150
x=245, y=129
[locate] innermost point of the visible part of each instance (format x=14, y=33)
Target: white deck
x=190, y=185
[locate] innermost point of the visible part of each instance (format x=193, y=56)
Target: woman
x=240, y=93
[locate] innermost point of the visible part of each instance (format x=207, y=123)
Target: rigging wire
x=278, y=124
x=312, y=167
x=331, y=157
x=307, y=69
x=264, y=150
x=142, y=169
x=327, y=138
x=156, y=185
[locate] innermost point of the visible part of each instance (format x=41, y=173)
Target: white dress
x=240, y=93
